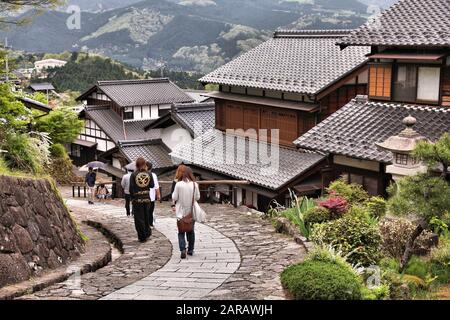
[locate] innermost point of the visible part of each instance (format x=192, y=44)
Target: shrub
x=396, y=232
x=317, y=215
x=382, y=292
x=321, y=280
x=376, y=207
x=22, y=154
x=353, y=235
x=353, y=193
x=417, y=267
x=337, y=206
x=440, y=261
x=61, y=168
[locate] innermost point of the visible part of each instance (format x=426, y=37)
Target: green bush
x=321, y=280
x=353, y=193
x=377, y=207
x=317, y=215
x=417, y=267
x=61, y=168
x=440, y=261
x=21, y=154
x=382, y=292
x=353, y=235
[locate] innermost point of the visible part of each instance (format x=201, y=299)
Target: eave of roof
x=302, y=106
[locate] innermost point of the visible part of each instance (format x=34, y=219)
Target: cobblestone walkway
x=237, y=256
x=216, y=258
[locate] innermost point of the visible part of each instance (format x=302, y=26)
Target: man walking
x=126, y=189
x=90, y=178
x=155, y=194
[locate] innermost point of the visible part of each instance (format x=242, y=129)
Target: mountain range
x=189, y=35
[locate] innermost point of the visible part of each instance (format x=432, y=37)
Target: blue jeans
x=190, y=239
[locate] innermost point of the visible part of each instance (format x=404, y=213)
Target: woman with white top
x=185, y=193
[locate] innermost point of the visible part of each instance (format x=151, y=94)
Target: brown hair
x=188, y=174
x=180, y=172
x=141, y=164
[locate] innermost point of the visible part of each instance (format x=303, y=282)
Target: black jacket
x=140, y=184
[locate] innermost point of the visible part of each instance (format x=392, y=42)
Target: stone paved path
x=242, y=261
x=216, y=258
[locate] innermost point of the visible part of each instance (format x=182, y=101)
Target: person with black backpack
x=141, y=181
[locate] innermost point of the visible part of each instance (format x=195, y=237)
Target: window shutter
x=380, y=81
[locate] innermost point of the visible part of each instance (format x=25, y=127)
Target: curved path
x=215, y=259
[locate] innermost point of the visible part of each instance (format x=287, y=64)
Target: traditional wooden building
x=409, y=74
x=289, y=84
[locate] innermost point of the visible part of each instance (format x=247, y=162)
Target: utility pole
x=6, y=60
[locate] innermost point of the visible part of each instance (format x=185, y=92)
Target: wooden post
x=235, y=189
x=211, y=194
x=160, y=192
x=79, y=189
x=84, y=191
x=73, y=191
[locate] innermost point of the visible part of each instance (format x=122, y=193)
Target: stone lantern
x=401, y=147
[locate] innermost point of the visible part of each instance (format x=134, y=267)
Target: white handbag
x=199, y=214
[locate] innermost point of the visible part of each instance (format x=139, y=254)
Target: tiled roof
x=127, y=93
x=206, y=152
x=42, y=86
x=111, y=123
x=354, y=129
x=292, y=61
x=199, y=114
x=154, y=151
x=407, y=23
x=34, y=104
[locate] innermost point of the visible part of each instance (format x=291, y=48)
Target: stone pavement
x=137, y=261
x=238, y=256
x=215, y=259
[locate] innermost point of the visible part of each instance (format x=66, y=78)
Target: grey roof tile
x=127, y=93
x=42, y=86
x=292, y=61
x=195, y=117
x=407, y=23
x=208, y=152
x=354, y=129
x=154, y=151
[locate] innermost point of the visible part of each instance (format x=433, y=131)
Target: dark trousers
x=127, y=204
x=140, y=212
x=150, y=213
x=190, y=239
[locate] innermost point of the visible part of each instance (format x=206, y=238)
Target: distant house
x=409, y=75
x=289, y=83
x=42, y=65
x=43, y=87
x=118, y=117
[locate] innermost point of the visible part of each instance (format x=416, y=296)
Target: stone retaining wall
x=36, y=230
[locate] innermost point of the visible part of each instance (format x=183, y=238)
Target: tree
x=13, y=114
x=435, y=153
x=424, y=196
x=61, y=124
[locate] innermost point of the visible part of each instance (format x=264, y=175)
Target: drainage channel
x=114, y=241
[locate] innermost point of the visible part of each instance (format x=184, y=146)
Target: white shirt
x=153, y=190
x=126, y=183
x=182, y=195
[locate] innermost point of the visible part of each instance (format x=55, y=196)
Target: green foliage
x=317, y=215
x=13, y=114
x=39, y=96
x=61, y=124
x=22, y=154
x=422, y=195
x=61, y=168
x=440, y=261
x=353, y=193
x=321, y=280
x=438, y=226
x=353, y=235
x=434, y=153
x=376, y=207
x=417, y=267
x=85, y=71
x=382, y=292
